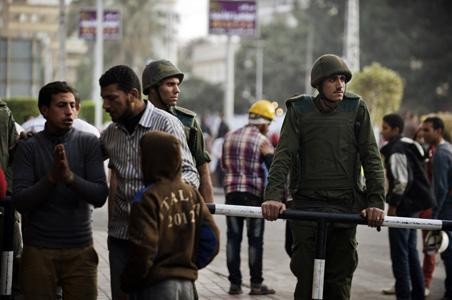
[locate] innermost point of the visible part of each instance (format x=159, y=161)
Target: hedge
x=24, y=107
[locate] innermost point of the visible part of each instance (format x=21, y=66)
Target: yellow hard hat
x=262, y=111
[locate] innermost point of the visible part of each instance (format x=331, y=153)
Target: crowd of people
x=325, y=159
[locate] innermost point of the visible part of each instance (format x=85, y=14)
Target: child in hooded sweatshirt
x=171, y=231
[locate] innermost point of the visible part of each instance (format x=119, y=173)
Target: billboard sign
x=88, y=23
x=231, y=17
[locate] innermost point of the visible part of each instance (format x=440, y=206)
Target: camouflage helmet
x=326, y=66
x=158, y=70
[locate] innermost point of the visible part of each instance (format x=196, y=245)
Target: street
x=372, y=275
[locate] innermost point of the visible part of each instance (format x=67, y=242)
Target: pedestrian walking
x=324, y=142
x=171, y=231
x=132, y=118
x=58, y=178
x=408, y=194
x=161, y=82
x=245, y=151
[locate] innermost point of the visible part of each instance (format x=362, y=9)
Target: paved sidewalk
x=212, y=283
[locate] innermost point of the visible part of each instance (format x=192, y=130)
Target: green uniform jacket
x=332, y=147
x=7, y=140
x=193, y=132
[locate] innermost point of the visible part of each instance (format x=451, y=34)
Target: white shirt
x=37, y=124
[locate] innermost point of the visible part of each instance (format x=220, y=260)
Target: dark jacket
x=409, y=189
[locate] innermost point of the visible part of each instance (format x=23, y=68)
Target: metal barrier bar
x=322, y=220
x=6, y=272
x=397, y=222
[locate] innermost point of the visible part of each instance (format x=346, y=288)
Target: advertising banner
x=88, y=23
x=231, y=17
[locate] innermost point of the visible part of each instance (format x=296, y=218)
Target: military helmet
x=158, y=70
x=326, y=66
x=261, y=112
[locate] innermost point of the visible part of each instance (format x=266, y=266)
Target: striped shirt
x=243, y=162
x=123, y=150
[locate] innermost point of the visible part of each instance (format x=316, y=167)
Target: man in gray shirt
x=58, y=178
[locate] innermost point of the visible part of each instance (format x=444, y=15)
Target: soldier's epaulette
x=296, y=98
x=351, y=95
x=184, y=111
x=186, y=116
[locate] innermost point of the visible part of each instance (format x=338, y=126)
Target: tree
x=201, y=96
x=284, y=48
x=141, y=22
x=382, y=89
x=414, y=38
x=411, y=37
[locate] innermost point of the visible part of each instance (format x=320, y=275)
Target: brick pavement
x=212, y=282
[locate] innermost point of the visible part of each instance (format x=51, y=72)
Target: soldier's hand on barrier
x=374, y=216
x=271, y=209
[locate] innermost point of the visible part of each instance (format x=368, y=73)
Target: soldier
x=323, y=140
x=161, y=83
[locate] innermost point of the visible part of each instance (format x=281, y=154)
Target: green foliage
x=411, y=37
x=284, y=52
x=143, y=24
x=23, y=107
x=87, y=112
x=381, y=88
x=414, y=38
x=200, y=96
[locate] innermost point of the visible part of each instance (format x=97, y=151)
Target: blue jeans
x=406, y=266
x=255, y=232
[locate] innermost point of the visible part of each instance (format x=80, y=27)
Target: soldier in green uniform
x=324, y=142
x=161, y=80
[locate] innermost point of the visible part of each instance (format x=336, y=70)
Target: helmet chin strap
x=159, y=99
x=326, y=105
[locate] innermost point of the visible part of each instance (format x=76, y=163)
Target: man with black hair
x=58, y=178
x=408, y=194
x=434, y=131
x=132, y=118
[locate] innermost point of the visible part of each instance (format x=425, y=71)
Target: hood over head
x=160, y=157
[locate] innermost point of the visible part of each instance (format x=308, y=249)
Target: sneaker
x=261, y=289
x=426, y=292
x=235, y=289
x=389, y=291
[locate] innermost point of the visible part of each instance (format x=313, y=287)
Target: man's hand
x=60, y=170
x=374, y=216
x=25, y=135
x=267, y=148
x=271, y=209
